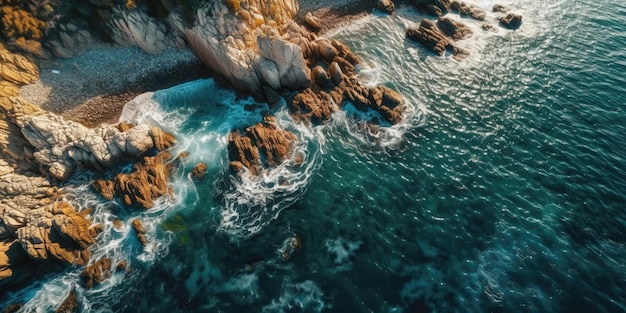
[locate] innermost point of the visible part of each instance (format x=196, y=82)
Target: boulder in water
x=499, y=8
x=511, y=21
x=386, y=6
x=429, y=36
x=199, y=170
x=96, y=273
x=70, y=304
x=454, y=29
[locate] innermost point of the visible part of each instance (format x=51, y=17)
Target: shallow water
x=503, y=190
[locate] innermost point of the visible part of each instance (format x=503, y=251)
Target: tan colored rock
x=199, y=170
x=511, y=21
x=265, y=138
x=140, y=232
x=141, y=187
x=312, y=22
x=312, y=107
x=454, y=29
x=96, y=273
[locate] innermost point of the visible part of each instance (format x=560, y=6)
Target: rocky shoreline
x=59, y=114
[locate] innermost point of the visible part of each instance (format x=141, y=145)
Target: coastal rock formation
x=97, y=272
x=311, y=107
x=70, y=304
x=199, y=170
x=15, y=70
x=312, y=22
x=442, y=7
x=499, y=8
x=454, y=29
x=511, y=21
x=263, y=139
x=386, y=6
x=431, y=37
x=140, y=232
x=140, y=188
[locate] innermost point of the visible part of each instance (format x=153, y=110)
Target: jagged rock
x=511, y=21
x=320, y=76
x=335, y=72
x=265, y=139
x=12, y=271
x=199, y=170
x=465, y=9
x=312, y=22
x=499, y=8
x=140, y=232
x=13, y=308
x=433, y=39
x=141, y=187
x=429, y=36
x=15, y=70
x=70, y=304
x=312, y=107
x=386, y=6
x=96, y=273
x=487, y=26
x=456, y=30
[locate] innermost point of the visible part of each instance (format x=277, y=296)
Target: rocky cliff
x=39, y=150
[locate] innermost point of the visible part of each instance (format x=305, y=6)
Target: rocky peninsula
x=270, y=49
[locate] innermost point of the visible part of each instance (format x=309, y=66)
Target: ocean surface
x=503, y=190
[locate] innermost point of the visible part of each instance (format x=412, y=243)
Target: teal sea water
x=504, y=189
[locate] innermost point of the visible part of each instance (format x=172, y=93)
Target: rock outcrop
x=199, y=170
x=140, y=232
x=143, y=186
x=431, y=37
x=442, y=7
x=263, y=139
x=97, y=272
x=511, y=21
x=454, y=29
x=386, y=6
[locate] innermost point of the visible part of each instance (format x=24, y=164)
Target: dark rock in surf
x=454, y=29
x=70, y=304
x=498, y=8
x=511, y=21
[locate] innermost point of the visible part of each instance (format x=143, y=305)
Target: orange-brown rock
x=13, y=308
x=140, y=232
x=15, y=70
x=18, y=23
x=162, y=140
x=96, y=272
x=12, y=270
x=454, y=29
x=141, y=187
x=430, y=36
x=70, y=304
x=511, y=21
x=312, y=107
x=198, y=171
x=266, y=139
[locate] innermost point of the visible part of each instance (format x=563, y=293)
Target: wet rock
x=454, y=29
x=311, y=107
x=13, y=308
x=70, y=304
x=320, y=76
x=499, y=8
x=487, y=26
x=312, y=22
x=141, y=187
x=266, y=139
x=511, y=21
x=199, y=170
x=470, y=10
x=140, y=232
x=429, y=36
x=96, y=273
x=386, y=6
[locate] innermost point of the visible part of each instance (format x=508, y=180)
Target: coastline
x=93, y=87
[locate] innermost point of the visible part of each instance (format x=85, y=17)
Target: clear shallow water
x=504, y=190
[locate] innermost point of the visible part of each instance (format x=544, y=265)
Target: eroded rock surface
x=142, y=186
x=454, y=29
x=511, y=21
x=431, y=37
x=263, y=139
x=97, y=272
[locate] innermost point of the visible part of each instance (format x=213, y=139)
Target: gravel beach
x=94, y=87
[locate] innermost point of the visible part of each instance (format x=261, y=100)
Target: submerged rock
x=263, y=139
x=511, y=21
x=140, y=232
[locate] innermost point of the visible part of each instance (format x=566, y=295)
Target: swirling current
x=503, y=190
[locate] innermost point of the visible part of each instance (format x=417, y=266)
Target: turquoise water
x=504, y=190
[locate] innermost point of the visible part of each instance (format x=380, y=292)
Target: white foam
x=301, y=297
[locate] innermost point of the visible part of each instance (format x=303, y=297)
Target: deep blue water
x=504, y=190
